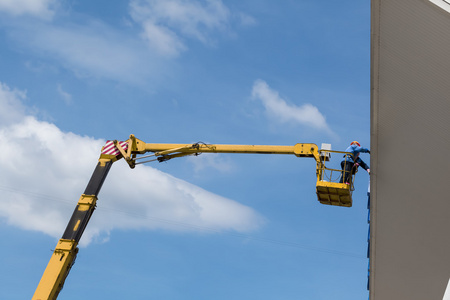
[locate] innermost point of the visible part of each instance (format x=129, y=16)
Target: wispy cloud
x=44, y=171
x=64, y=95
x=280, y=111
x=211, y=161
x=167, y=23
x=38, y=8
x=162, y=40
x=90, y=50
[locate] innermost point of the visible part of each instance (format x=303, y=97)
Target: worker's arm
x=363, y=165
x=358, y=149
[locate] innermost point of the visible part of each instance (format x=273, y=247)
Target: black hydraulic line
x=82, y=213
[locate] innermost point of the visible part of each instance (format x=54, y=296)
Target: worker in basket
x=351, y=162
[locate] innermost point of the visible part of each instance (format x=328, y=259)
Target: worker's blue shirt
x=355, y=150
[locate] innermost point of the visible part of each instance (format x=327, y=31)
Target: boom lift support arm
x=132, y=151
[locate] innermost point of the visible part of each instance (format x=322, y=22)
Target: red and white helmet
x=355, y=143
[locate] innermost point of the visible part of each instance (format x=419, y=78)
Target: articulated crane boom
x=132, y=151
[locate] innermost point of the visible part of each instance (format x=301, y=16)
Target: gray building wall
x=410, y=143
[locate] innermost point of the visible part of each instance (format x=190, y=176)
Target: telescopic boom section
x=306, y=150
x=163, y=152
x=64, y=255
x=205, y=148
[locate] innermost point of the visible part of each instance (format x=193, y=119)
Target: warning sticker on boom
x=110, y=149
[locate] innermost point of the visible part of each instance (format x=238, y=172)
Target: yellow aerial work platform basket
x=330, y=188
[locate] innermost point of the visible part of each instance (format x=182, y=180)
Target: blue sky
x=74, y=74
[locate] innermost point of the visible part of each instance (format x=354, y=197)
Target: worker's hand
x=368, y=171
x=368, y=151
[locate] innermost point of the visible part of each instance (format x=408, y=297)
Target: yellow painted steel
x=86, y=202
x=162, y=149
x=138, y=146
x=331, y=191
x=63, y=257
x=57, y=270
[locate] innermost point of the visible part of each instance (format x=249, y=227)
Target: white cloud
x=167, y=22
x=279, y=110
x=45, y=170
x=38, y=8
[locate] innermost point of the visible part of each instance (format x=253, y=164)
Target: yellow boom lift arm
x=132, y=151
